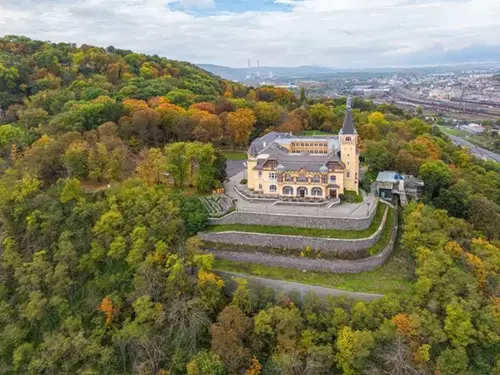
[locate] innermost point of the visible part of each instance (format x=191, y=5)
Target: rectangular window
x=260, y=186
x=333, y=178
x=260, y=173
x=348, y=174
x=273, y=188
x=272, y=175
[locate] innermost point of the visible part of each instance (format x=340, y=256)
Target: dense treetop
x=110, y=280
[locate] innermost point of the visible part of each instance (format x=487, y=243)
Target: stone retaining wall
x=283, y=220
x=322, y=265
x=355, y=248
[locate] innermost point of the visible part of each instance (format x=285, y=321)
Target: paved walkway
x=302, y=289
x=358, y=210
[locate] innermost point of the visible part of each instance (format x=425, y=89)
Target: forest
x=103, y=153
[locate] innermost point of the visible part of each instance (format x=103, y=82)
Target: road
x=478, y=151
x=301, y=289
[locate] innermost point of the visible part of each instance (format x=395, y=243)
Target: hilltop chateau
x=283, y=165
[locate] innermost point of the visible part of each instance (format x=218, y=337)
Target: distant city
x=467, y=93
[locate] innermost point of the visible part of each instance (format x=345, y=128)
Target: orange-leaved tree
x=241, y=124
x=108, y=309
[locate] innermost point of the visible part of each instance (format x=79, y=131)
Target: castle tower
x=349, y=153
x=251, y=163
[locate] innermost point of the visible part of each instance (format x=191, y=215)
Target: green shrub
x=244, y=181
x=366, y=183
x=194, y=215
x=351, y=197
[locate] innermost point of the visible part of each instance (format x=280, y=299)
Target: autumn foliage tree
x=229, y=336
x=241, y=124
x=152, y=166
x=106, y=306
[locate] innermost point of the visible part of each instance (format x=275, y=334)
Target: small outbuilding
x=387, y=182
x=390, y=184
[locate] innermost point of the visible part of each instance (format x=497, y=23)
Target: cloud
x=340, y=33
x=202, y=4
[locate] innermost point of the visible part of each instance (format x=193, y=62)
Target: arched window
x=273, y=188
x=288, y=178
x=316, y=179
x=317, y=192
x=287, y=190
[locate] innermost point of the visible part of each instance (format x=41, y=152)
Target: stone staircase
x=403, y=199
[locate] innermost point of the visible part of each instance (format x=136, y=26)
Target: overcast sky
x=335, y=33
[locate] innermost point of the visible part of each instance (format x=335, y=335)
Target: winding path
x=302, y=289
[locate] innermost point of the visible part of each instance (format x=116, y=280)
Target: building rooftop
x=295, y=161
x=389, y=176
x=260, y=145
x=275, y=148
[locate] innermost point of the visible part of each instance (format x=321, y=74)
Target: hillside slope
x=28, y=67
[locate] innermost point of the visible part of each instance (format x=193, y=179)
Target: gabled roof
x=294, y=162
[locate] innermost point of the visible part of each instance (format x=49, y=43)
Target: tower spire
x=348, y=126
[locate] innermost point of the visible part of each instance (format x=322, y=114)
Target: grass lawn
x=308, y=232
x=386, y=234
x=394, y=277
x=315, y=133
x=237, y=154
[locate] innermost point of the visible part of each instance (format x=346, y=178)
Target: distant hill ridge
x=239, y=74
